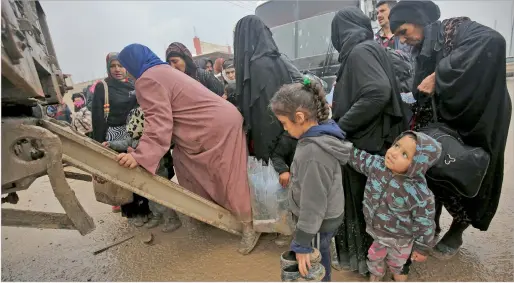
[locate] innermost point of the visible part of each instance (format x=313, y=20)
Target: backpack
x=403, y=68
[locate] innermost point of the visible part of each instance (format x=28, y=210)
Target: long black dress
x=367, y=106
x=260, y=73
x=471, y=92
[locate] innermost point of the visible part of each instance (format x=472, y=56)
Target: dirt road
x=197, y=252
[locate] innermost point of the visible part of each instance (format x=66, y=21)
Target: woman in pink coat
x=210, y=154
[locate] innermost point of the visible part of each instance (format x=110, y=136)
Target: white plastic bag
x=269, y=200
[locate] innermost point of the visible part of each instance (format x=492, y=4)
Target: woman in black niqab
x=367, y=106
x=260, y=73
x=463, y=64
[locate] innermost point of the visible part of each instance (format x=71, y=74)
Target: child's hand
x=284, y=179
x=225, y=96
x=304, y=263
x=106, y=144
x=418, y=257
x=127, y=160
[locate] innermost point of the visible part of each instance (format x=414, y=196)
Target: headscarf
x=228, y=64
x=78, y=104
x=108, y=60
x=350, y=27
x=420, y=13
x=177, y=49
x=252, y=40
x=137, y=58
x=203, y=62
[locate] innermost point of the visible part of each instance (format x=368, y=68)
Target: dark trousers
x=324, y=249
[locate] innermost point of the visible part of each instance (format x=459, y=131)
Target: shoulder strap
x=106, y=102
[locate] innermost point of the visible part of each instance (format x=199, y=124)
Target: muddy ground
x=198, y=252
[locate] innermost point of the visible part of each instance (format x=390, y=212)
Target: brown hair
x=307, y=97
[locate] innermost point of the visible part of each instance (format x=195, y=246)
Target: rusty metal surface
x=29, y=61
x=90, y=156
x=43, y=155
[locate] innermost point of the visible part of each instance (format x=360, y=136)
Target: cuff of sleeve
x=283, y=170
x=299, y=249
x=303, y=238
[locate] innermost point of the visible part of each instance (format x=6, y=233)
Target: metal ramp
x=88, y=155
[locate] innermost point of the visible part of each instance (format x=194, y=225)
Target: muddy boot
x=249, y=240
x=283, y=240
x=154, y=221
x=171, y=221
x=138, y=221
x=451, y=241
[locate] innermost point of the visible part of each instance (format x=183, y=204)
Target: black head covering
x=177, y=49
x=203, y=61
x=420, y=13
x=350, y=27
x=252, y=40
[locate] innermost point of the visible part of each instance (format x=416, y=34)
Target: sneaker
x=116, y=209
x=289, y=258
x=292, y=274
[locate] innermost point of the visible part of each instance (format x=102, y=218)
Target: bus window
x=314, y=35
x=284, y=38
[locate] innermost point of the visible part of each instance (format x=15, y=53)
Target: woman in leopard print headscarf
x=460, y=63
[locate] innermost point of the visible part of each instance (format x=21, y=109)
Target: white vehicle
x=301, y=30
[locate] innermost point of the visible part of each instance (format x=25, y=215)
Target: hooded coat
x=260, y=72
x=316, y=195
x=400, y=208
x=198, y=73
x=471, y=97
x=210, y=154
x=367, y=103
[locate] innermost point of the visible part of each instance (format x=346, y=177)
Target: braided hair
x=307, y=97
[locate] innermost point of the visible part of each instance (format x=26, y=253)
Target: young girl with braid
x=316, y=188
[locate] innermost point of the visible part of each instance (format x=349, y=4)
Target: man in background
x=384, y=36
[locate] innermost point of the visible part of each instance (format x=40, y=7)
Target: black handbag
x=461, y=168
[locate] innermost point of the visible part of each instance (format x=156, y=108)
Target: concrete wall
x=76, y=88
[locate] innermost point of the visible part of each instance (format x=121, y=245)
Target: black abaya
x=260, y=73
x=472, y=97
x=367, y=106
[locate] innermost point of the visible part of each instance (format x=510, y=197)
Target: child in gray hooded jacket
x=316, y=187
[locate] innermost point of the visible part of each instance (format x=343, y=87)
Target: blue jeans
x=324, y=249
